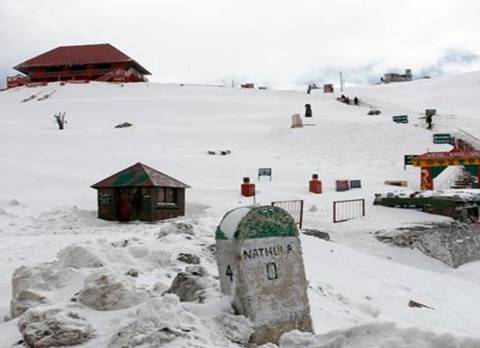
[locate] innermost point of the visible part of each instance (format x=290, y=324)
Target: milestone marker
x=260, y=265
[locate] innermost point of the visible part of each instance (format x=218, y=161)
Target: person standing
x=308, y=110
x=429, y=120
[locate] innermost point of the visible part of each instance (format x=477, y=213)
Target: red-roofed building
x=100, y=62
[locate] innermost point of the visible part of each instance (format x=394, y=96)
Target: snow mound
x=29, y=283
x=164, y=322
x=76, y=256
x=377, y=335
x=175, y=228
x=106, y=291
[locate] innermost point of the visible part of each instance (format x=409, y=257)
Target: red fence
x=294, y=208
x=349, y=209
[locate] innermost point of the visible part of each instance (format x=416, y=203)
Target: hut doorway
x=123, y=205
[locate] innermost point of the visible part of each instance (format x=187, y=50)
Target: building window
x=166, y=197
x=170, y=196
x=103, y=66
x=78, y=67
x=53, y=68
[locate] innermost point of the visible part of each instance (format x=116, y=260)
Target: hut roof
x=78, y=55
x=139, y=175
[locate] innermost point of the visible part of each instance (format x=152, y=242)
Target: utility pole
x=341, y=81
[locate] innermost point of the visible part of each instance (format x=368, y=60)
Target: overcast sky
x=273, y=42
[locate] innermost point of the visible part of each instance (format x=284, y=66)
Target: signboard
x=260, y=264
x=442, y=138
x=265, y=172
x=104, y=198
x=408, y=160
x=430, y=112
x=400, y=119
x=355, y=184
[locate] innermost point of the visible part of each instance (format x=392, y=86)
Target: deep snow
x=46, y=203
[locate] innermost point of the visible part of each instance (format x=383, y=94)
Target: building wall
x=109, y=200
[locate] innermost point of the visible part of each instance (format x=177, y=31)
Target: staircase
x=464, y=180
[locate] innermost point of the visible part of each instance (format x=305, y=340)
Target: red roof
x=139, y=175
x=76, y=55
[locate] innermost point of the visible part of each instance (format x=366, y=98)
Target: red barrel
x=247, y=189
x=342, y=185
x=315, y=184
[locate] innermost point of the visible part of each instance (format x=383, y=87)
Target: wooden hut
x=98, y=62
x=142, y=193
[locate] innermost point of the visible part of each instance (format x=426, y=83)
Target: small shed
x=328, y=88
x=141, y=193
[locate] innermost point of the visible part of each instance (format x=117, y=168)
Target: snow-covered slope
x=46, y=203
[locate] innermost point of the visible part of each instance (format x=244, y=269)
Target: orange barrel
x=315, y=184
x=247, y=189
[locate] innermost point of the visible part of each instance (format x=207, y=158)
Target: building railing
x=60, y=74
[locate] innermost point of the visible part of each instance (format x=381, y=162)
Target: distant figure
x=309, y=89
x=429, y=120
x=347, y=100
x=355, y=101
x=308, y=110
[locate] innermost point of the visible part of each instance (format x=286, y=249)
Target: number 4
x=229, y=273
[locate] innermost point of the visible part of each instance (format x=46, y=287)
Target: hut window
x=170, y=195
x=166, y=196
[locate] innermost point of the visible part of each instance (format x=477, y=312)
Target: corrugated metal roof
x=77, y=55
x=139, y=175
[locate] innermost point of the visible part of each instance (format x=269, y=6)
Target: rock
x=187, y=287
x=454, y=244
x=235, y=328
x=197, y=270
x=104, y=291
x=76, y=256
x=317, y=233
x=30, y=283
x=132, y=272
x=188, y=258
x=24, y=300
x=50, y=328
x=124, y=125
x=175, y=227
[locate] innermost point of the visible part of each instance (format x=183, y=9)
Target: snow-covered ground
x=46, y=203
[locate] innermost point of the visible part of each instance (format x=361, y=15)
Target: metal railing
x=348, y=209
x=294, y=208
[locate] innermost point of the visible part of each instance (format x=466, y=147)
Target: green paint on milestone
x=263, y=222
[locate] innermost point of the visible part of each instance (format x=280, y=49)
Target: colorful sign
x=443, y=159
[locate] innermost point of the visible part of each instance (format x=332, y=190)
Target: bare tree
x=60, y=118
